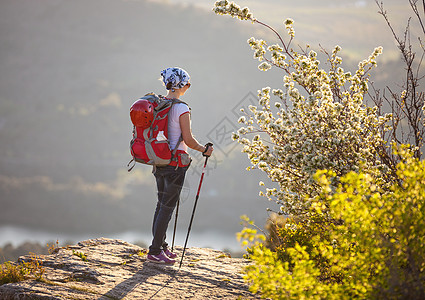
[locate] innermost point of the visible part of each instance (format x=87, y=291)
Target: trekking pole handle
x=207, y=145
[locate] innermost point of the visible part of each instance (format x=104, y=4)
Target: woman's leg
x=169, y=182
x=160, y=182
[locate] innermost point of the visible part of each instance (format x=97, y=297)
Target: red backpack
x=150, y=144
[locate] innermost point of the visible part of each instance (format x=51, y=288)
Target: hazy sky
x=315, y=21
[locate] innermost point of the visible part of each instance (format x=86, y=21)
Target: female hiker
x=170, y=179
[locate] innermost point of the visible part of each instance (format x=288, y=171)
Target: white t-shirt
x=174, y=130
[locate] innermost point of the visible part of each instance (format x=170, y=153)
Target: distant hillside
x=69, y=73
x=71, y=69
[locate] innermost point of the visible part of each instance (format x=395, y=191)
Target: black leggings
x=169, y=181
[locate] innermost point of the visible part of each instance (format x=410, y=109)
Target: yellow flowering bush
x=373, y=251
x=298, y=231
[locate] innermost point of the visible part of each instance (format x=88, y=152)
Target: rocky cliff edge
x=114, y=269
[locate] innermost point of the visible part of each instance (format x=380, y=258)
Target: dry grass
x=19, y=271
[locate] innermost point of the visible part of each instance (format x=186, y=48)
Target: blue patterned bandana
x=176, y=76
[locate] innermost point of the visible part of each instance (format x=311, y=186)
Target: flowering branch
x=326, y=126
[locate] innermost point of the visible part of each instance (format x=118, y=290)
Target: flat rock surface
x=113, y=269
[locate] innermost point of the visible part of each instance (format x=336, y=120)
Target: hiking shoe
x=161, y=258
x=169, y=253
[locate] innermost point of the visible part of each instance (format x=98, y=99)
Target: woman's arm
x=188, y=138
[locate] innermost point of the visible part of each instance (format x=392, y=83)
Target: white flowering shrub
x=316, y=121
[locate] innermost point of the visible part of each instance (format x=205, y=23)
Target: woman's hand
x=208, y=150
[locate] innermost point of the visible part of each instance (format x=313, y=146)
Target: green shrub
x=81, y=255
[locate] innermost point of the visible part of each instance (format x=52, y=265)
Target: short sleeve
x=180, y=109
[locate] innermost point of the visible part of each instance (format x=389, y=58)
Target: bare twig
x=406, y=105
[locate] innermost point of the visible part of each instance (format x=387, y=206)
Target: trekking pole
x=196, y=202
x=175, y=224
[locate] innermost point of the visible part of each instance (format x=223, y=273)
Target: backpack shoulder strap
x=151, y=97
x=175, y=101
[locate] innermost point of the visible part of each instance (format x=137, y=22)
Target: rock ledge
x=114, y=269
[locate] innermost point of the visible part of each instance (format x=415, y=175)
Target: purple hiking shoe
x=161, y=258
x=169, y=253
